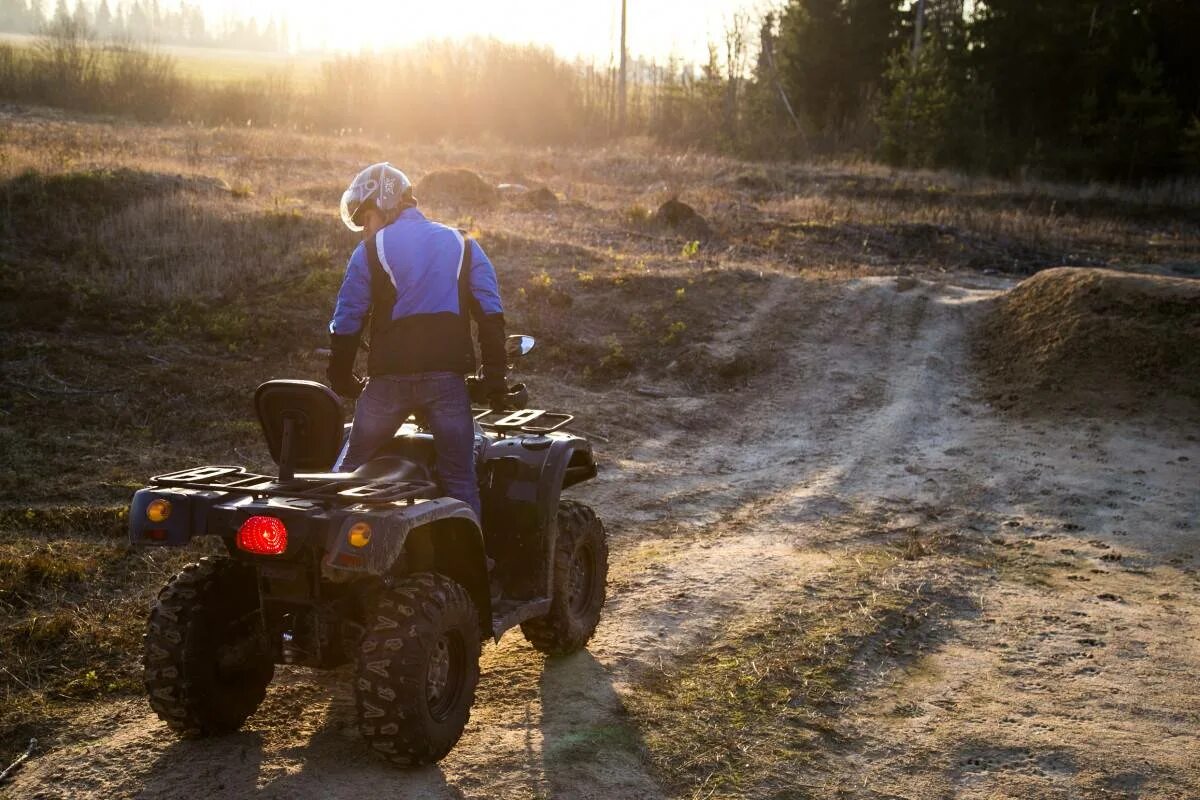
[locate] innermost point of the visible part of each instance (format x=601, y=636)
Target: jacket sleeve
x=488, y=312
x=354, y=298
x=349, y=317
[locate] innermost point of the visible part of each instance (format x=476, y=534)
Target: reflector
x=347, y=560
x=359, y=534
x=158, y=510
x=266, y=536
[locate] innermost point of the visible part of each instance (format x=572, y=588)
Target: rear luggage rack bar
x=321, y=488
x=520, y=421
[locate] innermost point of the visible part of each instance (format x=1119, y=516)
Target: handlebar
x=517, y=396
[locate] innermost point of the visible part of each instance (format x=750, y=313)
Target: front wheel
x=580, y=576
x=207, y=662
x=418, y=666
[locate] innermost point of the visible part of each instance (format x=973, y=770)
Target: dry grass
x=182, y=246
x=754, y=712
x=73, y=608
x=151, y=276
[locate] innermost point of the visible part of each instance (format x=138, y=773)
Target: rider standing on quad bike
x=419, y=283
x=375, y=565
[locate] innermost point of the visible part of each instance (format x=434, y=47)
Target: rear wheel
x=580, y=576
x=418, y=667
x=207, y=662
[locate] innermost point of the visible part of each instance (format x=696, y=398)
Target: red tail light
x=266, y=536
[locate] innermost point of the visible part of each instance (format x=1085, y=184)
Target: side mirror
x=517, y=346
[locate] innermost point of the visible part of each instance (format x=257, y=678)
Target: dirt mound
x=456, y=187
x=1094, y=337
x=683, y=218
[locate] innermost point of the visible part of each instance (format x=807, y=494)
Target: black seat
x=419, y=446
x=416, y=447
x=381, y=468
x=393, y=468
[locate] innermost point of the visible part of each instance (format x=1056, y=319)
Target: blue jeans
x=441, y=398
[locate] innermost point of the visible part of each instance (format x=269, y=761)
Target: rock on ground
x=539, y=199
x=683, y=218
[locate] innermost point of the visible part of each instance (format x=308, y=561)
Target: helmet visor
x=351, y=203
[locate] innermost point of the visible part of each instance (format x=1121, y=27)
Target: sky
x=588, y=29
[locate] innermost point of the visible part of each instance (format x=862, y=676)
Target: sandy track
x=717, y=505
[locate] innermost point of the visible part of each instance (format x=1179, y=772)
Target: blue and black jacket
x=416, y=286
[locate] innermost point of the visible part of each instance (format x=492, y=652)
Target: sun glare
x=586, y=29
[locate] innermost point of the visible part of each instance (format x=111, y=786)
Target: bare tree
x=624, y=69
x=736, y=58
x=69, y=62
x=768, y=54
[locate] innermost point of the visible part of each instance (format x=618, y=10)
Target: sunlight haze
x=587, y=30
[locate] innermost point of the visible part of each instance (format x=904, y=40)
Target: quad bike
x=373, y=566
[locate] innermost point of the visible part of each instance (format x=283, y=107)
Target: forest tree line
x=1082, y=89
x=144, y=21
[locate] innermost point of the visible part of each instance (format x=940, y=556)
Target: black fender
x=188, y=517
x=523, y=479
x=439, y=535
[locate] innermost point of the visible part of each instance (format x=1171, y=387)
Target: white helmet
x=382, y=184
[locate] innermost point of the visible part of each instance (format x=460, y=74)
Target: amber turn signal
x=158, y=510
x=359, y=534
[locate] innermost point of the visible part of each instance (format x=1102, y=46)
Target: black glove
x=495, y=386
x=349, y=388
x=340, y=374
x=498, y=401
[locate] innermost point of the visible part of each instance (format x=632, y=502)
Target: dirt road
x=1069, y=672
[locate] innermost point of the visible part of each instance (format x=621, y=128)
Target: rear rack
x=323, y=488
x=519, y=421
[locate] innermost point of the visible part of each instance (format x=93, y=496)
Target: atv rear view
x=374, y=567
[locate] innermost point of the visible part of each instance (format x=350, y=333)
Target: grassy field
x=218, y=65
x=152, y=276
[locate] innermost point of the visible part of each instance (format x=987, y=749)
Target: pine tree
x=872, y=34
x=918, y=121
x=83, y=16
x=810, y=64
x=104, y=20
x=1097, y=89
x=10, y=12
x=36, y=18
x=1145, y=132
x=194, y=30
x=832, y=55
x=137, y=22
x=768, y=106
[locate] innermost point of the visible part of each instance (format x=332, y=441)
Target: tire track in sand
x=802, y=442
